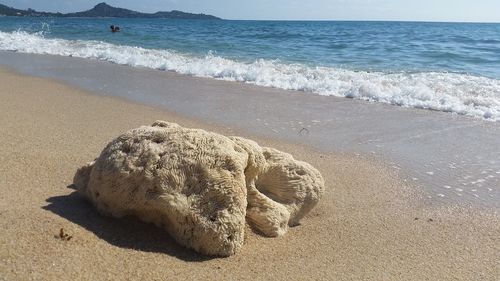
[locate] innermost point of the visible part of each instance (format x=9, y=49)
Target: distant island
x=104, y=10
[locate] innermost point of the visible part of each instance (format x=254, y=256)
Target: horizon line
x=369, y=20
x=324, y=20
x=288, y=20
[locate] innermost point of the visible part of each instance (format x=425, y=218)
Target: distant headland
x=104, y=10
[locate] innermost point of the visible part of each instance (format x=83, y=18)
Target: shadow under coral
x=129, y=232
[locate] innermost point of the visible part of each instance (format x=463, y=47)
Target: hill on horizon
x=104, y=10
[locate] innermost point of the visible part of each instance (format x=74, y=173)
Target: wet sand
x=370, y=225
x=452, y=158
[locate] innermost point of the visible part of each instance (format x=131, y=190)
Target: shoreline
x=369, y=225
x=452, y=158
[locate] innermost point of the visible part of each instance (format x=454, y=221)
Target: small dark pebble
x=430, y=220
x=416, y=219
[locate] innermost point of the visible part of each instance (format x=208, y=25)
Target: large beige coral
x=200, y=186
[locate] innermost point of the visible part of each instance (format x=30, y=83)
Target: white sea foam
x=458, y=93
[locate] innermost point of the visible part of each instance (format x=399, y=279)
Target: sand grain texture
x=368, y=226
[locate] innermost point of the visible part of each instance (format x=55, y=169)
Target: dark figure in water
x=115, y=28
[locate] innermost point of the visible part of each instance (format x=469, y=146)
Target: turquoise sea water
x=452, y=67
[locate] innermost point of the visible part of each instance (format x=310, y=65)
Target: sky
x=408, y=10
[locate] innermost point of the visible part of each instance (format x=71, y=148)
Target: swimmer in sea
x=115, y=28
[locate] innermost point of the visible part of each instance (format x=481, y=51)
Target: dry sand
x=369, y=226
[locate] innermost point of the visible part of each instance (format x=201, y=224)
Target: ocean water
x=452, y=67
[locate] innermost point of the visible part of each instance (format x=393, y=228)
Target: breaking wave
x=450, y=92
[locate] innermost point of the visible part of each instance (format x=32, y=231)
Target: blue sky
x=426, y=10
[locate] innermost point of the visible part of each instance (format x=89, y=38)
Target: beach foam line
x=450, y=92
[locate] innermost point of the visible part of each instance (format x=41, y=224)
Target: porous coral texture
x=200, y=186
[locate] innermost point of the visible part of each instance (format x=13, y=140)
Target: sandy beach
x=452, y=158
x=370, y=225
